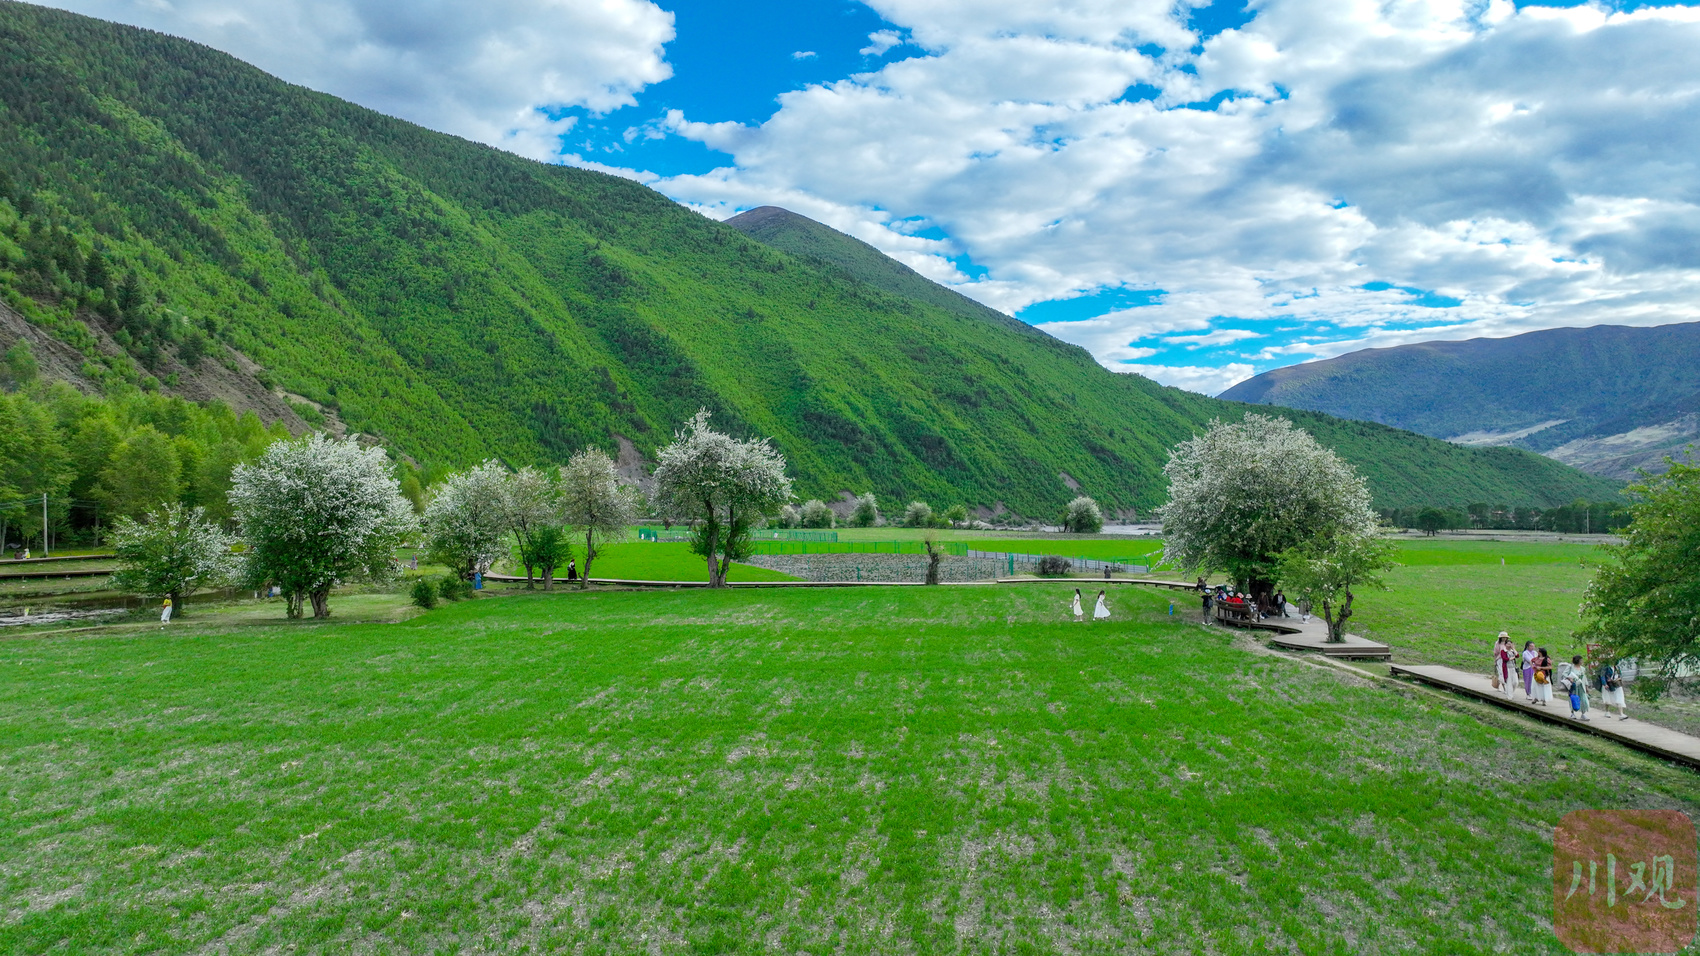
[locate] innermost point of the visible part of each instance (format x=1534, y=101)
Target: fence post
x=1011, y=557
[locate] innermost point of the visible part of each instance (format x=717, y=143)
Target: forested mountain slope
x=165, y=206
x=1607, y=399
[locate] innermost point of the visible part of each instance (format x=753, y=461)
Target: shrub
x=816, y=514
x=954, y=515
x=867, y=513
x=424, y=593
x=452, y=587
x=1083, y=516
x=790, y=517
x=917, y=515
x=1054, y=566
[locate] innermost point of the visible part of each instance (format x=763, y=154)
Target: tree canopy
x=1243, y=492
x=1644, y=603
x=595, y=504
x=723, y=486
x=171, y=553
x=467, y=521
x=314, y=512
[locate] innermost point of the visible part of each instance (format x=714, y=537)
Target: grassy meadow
x=868, y=770
x=666, y=561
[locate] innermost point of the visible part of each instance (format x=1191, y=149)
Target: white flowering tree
x=815, y=514
x=867, y=513
x=314, y=512
x=1083, y=516
x=466, y=521
x=1244, y=492
x=723, y=486
x=594, y=503
x=531, y=503
x=170, y=553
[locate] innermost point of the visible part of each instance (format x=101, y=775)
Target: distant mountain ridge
x=1606, y=399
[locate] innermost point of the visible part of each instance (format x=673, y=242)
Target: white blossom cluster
x=466, y=523
x=315, y=511
x=1246, y=491
x=705, y=471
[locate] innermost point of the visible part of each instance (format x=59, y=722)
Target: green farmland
x=863, y=771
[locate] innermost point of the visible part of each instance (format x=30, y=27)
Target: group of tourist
x=1246, y=606
x=1099, y=613
x=1533, y=668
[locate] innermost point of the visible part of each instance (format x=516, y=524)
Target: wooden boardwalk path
x=1665, y=743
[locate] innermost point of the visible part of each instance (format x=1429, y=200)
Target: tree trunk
x=589, y=556
x=176, y=604
x=548, y=577
x=321, y=602
x=293, y=601
x=1339, y=633
x=933, y=564
x=528, y=582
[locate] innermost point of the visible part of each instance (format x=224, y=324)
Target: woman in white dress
x=1502, y=654
x=1101, y=611
x=1079, y=612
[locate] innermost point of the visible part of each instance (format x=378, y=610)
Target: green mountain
x=174, y=219
x=1607, y=399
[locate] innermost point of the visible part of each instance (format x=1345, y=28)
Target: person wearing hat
x=1502, y=652
x=165, y=613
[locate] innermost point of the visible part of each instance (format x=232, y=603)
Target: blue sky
x=1191, y=192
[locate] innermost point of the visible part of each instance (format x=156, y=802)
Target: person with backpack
x=1611, y=689
x=1573, y=677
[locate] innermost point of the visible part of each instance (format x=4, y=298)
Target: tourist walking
x=572, y=570
x=1529, y=670
x=1611, y=690
x=1281, y=602
x=1100, y=612
x=1501, y=664
x=165, y=613
x=1079, y=612
x=1543, y=678
x=1573, y=677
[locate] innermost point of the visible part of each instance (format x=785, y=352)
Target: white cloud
x=492, y=71
x=1208, y=380
x=1218, y=337
x=804, y=55
x=879, y=42
x=1537, y=166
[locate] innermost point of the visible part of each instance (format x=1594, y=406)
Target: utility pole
x=44, y=547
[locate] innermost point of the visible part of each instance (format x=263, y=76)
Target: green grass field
x=666, y=561
x=861, y=771
x=1439, y=551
